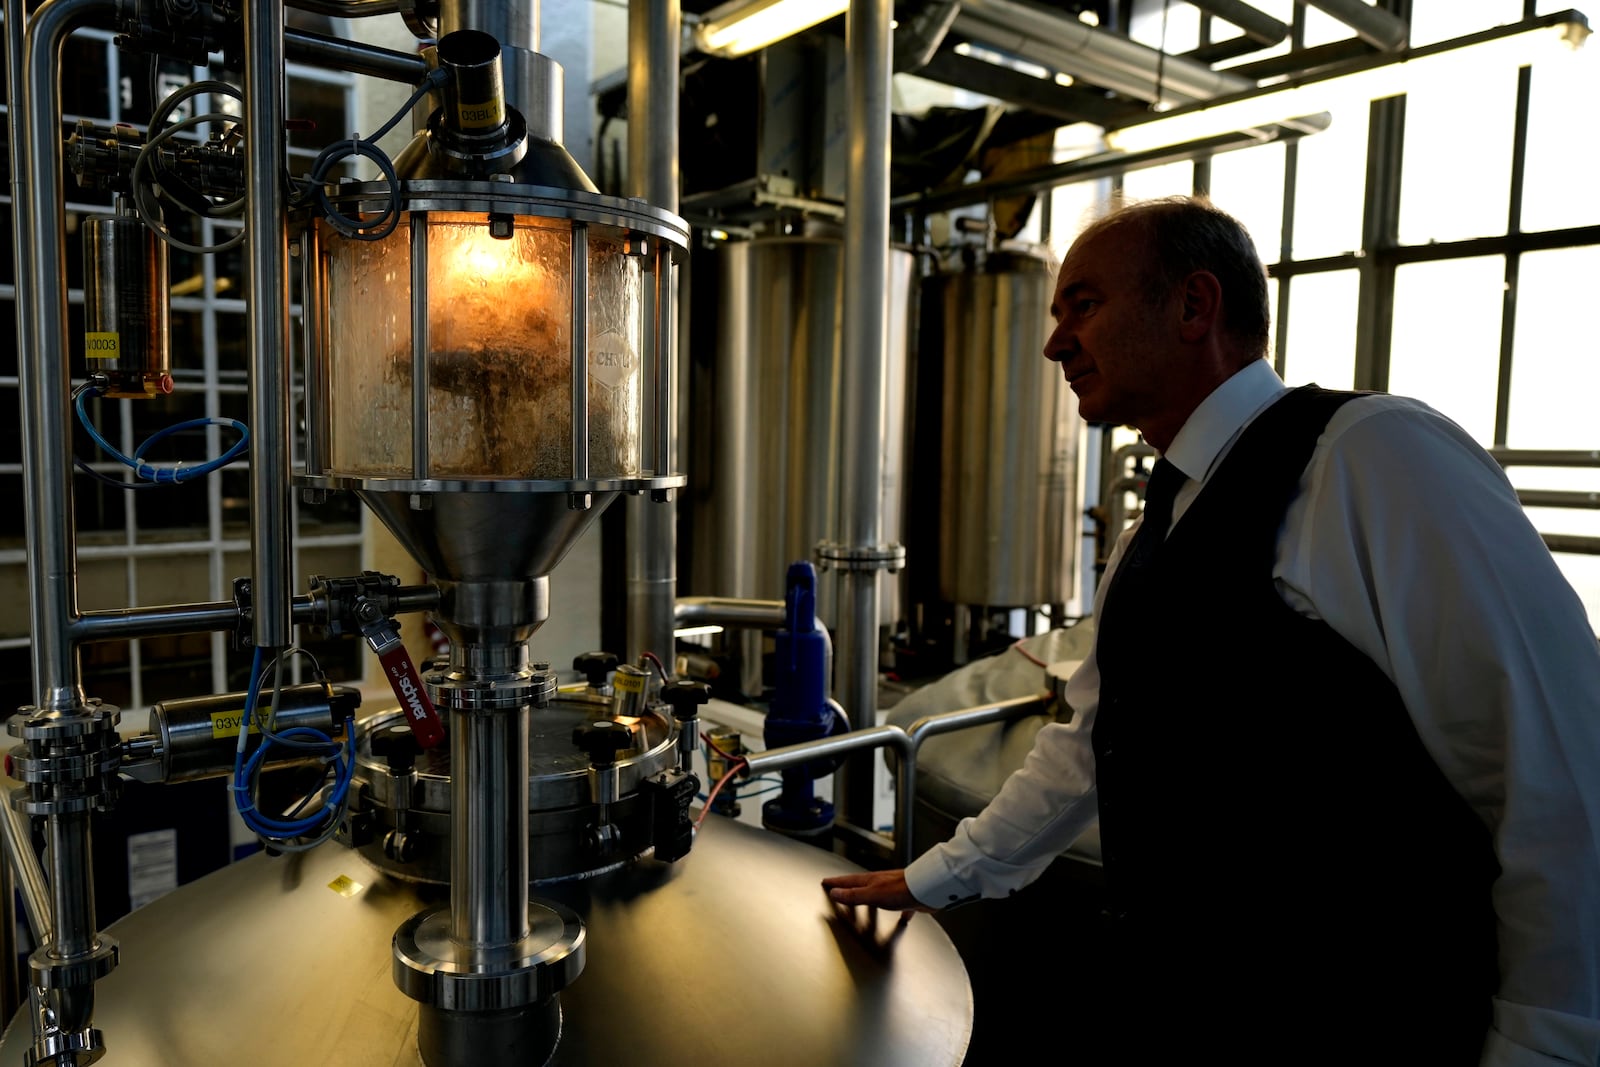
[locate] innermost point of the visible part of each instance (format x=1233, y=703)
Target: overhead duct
x=1106, y=59
x=1379, y=28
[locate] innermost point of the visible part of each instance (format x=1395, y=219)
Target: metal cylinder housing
x=1009, y=433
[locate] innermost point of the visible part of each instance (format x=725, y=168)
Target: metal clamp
x=536, y=689
x=831, y=555
x=76, y=972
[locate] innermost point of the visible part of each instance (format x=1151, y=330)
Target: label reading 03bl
x=485, y=116
x=102, y=346
x=226, y=724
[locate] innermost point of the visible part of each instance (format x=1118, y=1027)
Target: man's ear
x=1202, y=305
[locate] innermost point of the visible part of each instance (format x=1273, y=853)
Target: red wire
x=660, y=668
x=739, y=763
x=1029, y=656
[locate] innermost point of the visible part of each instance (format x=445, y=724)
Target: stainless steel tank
x=1009, y=430
x=776, y=414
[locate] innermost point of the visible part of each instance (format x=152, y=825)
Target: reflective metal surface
x=1009, y=460
x=729, y=957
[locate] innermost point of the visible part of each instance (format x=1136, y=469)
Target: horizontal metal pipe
x=1107, y=59
x=346, y=9
x=1552, y=498
x=905, y=744
x=731, y=612
x=1585, y=546
x=1256, y=24
x=29, y=874
x=1379, y=28
x=1525, y=457
x=173, y=620
x=333, y=53
x=1086, y=168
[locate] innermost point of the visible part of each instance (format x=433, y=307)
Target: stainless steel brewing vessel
x=776, y=432
x=1009, y=433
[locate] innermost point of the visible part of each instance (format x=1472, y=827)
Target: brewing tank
x=1008, y=434
x=777, y=432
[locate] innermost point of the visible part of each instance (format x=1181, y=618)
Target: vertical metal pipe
x=514, y=25
x=267, y=285
x=580, y=351
x=654, y=28
x=489, y=827
x=421, y=427
x=869, y=65
x=43, y=369
x=71, y=884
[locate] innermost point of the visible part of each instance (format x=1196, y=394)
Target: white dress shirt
x=1440, y=579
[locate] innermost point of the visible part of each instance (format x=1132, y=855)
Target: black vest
x=1294, y=879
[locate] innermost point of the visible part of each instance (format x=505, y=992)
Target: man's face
x=1110, y=340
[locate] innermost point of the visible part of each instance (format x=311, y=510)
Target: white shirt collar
x=1231, y=407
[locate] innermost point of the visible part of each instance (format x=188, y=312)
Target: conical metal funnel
x=484, y=536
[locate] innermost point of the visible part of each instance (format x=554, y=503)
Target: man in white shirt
x=1345, y=647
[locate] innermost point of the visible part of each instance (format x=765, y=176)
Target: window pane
x=1446, y=340
x=1248, y=184
x=1555, y=369
x=1282, y=10
x=1322, y=330
x=1172, y=179
x=1172, y=28
x=1329, y=184
x=1456, y=180
x=1563, y=160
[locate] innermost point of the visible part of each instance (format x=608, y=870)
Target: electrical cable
x=163, y=475
x=367, y=147
x=163, y=183
x=1029, y=656
x=281, y=833
x=739, y=764
x=660, y=667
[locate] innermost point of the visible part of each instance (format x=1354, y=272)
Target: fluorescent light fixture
x=742, y=26
x=1516, y=45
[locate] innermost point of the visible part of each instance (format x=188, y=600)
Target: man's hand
x=875, y=889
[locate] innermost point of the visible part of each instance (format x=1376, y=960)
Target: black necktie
x=1159, y=493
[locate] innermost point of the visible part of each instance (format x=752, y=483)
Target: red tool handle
x=407, y=684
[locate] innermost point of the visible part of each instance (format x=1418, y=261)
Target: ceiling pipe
x=1100, y=57
x=1256, y=24
x=1379, y=28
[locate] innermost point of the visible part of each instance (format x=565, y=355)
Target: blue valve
x=801, y=709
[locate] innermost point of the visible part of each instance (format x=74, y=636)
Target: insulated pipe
x=1379, y=28
x=869, y=68
x=267, y=285
x=1099, y=56
x=1256, y=24
x=654, y=35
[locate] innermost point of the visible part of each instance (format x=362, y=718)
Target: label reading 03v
x=102, y=345
x=226, y=724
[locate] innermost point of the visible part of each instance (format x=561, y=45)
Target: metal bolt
x=421, y=501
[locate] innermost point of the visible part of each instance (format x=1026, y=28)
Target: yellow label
x=226, y=724
x=102, y=346
x=346, y=886
x=627, y=682
x=485, y=116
